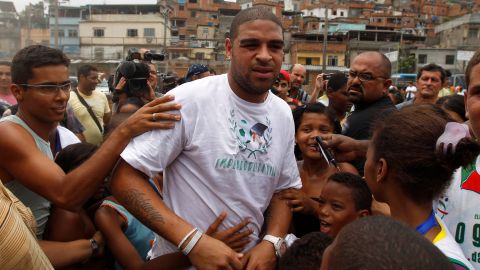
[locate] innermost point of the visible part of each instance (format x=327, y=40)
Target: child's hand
x=298, y=201
x=235, y=237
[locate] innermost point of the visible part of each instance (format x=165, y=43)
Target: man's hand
x=261, y=257
x=345, y=148
x=152, y=116
x=210, y=253
x=298, y=201
x=236, y=237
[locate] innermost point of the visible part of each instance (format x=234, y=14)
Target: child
x=305, y=253
x=345, y=198
x=405, y=169
x=311, y=120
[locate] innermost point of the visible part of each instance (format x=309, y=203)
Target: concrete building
x=68, y=29
x=462, y=33
x=9, y=30
x=108, y=31
x=447, y=58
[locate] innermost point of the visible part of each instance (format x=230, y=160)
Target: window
x=334, y=12
x=98, y=32
x=450, y=59
x=99, y=51
x=192, y=1
x=472, y=33
x=132, y=32
x=193, y=13
x=422, y=58
x=199, y=55
x=342, y=14
x=181, y=7
x=72, y=33
x=149, y=32
x=61, y=33
x=308, y=61
x=332, y=60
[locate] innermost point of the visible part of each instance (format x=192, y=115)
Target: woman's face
x=312, y=125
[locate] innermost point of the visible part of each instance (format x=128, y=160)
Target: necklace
x=427, y=225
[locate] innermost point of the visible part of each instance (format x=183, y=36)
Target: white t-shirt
x=446, y=243
x=225, y=154
x=459, y=209
x=411, y=90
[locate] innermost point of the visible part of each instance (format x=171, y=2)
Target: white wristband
x=186, y=237
x=198, y=234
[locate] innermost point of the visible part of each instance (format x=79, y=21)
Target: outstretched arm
x=130, y=188
x=25, y=163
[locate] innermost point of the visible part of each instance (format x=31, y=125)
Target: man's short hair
x=252, y=14
x=385, y=63
x=5, y=63
x=35, y=56
x=85, y=71
x=433, y=68
x=381, y=243
x=305, y=253
x=337, y=81
x=361, y=195
x=471, y=64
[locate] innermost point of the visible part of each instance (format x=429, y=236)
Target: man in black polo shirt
x=368, y=82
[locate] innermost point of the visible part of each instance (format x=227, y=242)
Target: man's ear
x=386, y=84
x=17, y=91
x=228, y=47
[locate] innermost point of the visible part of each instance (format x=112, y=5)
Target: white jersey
x=446, y=243
x=459, y=209
x=225, y=154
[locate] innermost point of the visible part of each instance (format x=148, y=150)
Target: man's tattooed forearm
x=140, y=206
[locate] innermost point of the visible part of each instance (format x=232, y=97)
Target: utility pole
x=325, y=40
x=28, y=13
x=165, y=11
x=55, y=5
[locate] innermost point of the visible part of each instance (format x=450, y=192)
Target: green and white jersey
x=459, y=209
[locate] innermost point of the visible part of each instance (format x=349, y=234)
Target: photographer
x=136, y=77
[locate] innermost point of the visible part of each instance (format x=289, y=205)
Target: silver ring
x=154, y=117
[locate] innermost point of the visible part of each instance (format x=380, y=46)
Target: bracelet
x=94, y=245
x=198, y=234
x=186, y=237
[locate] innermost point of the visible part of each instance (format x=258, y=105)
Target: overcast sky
x=20, y=4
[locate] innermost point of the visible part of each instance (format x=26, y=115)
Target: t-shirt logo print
x=252, y=139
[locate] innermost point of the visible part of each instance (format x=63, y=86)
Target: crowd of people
x=243, y=170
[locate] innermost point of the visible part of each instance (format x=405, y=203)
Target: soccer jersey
x=446, y=243
x=459, y=208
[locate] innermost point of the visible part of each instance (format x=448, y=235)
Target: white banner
x=392, y=56
x=465, y=55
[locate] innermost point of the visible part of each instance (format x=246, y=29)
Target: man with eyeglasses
x=41, y=86
x=368, y=83
x=430, y=80
x=85, y=101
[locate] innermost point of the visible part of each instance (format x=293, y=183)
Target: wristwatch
x=278, y=243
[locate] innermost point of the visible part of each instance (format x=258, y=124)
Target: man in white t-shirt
x=411, y=91
x=232, y=151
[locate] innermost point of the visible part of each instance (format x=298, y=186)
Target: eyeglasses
x=50, y=88
x=363, y=77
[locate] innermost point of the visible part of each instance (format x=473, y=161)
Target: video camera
x=168, y=81
x=136, y=72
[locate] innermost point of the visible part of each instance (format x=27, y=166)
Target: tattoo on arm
x=140, y=206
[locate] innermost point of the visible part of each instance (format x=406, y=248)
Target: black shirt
x=360, y=123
